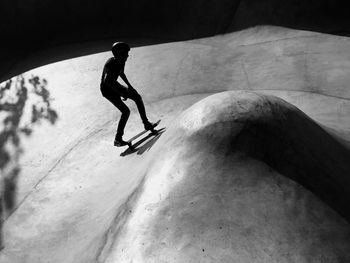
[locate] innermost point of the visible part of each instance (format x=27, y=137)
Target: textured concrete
x=79, y=198
x=217, y=189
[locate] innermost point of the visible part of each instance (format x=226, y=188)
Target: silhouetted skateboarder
x=113, y=91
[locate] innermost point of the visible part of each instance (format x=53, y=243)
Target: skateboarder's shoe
x=149, y=126
x=119, y=142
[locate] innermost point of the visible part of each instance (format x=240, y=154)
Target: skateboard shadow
x=145, y=147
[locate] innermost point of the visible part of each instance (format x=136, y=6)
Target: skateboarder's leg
x=136, y=97
x=115, y=99
x=121, y=90
x=125, y=113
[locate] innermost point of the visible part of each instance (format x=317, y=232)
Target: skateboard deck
x=153, y=131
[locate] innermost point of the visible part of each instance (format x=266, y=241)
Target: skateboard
x=153, y=132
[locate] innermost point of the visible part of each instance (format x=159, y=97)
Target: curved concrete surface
x=217, y=188
x=77, y=195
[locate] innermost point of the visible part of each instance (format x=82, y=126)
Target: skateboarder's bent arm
x=125, y=79
x=110, y=75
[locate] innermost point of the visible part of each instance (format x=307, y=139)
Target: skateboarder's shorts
x=114, y=93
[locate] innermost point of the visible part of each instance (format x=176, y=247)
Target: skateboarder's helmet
x=120, y=47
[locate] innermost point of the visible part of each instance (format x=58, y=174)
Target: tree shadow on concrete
x=24, y=104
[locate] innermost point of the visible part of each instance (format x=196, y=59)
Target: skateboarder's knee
x=134, y=95
x=137, y=98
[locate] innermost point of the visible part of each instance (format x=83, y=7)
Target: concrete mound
x=240, y=177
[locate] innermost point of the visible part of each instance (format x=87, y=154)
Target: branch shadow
x=24, y=104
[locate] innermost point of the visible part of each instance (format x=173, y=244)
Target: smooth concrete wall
x=261, y=58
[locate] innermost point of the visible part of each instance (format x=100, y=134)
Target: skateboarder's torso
x=112, y=69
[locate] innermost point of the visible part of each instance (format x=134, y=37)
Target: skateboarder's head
x=120, y=50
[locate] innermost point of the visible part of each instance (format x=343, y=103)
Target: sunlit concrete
x=76, y=192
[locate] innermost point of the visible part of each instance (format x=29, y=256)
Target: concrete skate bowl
x=77, y=198
x=239, y=177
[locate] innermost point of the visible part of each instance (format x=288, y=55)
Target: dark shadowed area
x=41, y=32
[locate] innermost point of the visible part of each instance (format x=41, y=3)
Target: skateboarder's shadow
x=145, y=147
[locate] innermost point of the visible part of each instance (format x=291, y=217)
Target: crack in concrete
x=64, y=155
x=312, y=92
x=204, y=92
x=246, y=75
x=196, y=41
x=306, y=77
x=278, y=40
x=178, y=73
